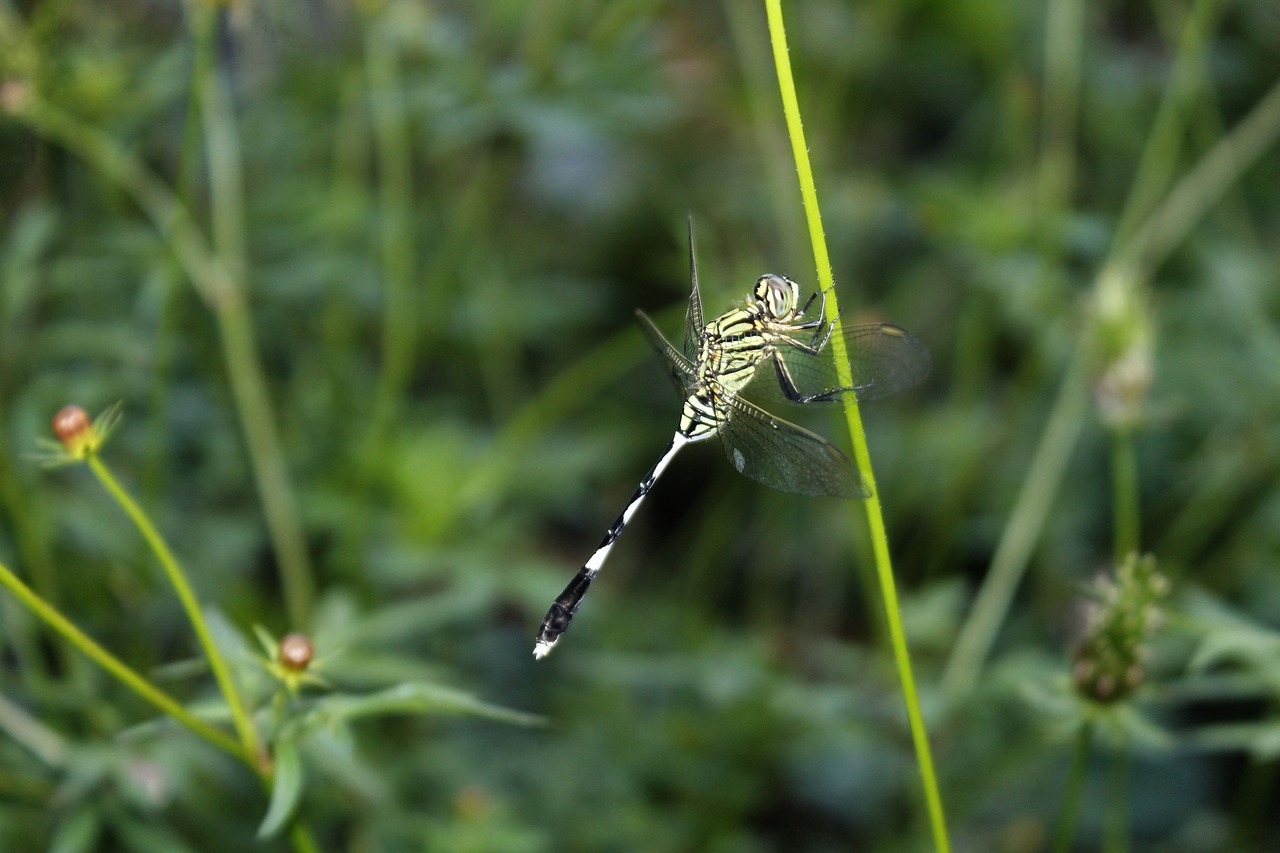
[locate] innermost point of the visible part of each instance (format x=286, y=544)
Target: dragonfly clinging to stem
x=771, y=345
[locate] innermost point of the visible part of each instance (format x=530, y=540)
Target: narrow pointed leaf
x=286, y=789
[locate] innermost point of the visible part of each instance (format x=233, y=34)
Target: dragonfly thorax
x=776, y=296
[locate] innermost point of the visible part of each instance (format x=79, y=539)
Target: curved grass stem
x=118, y=670
x=862, y=456
x=221, y=673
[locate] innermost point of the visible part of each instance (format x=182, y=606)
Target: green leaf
x=416, y=698
x=268, y=642
x=77, y=833
x=286, y=789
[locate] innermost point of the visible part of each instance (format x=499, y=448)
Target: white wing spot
x=739, y=461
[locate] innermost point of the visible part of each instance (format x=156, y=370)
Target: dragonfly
x=772, y=349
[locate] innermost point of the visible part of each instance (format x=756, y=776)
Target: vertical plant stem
x=1064, y=27
x=862, y=456
x=395, y=200
x=1124, y=485
x=178, y=580
x=1073, y=796
x=240, y=348
x=1116, y=826
x=122, y=673
x=253, y=402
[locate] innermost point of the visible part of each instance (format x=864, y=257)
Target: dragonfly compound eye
x=778, y=294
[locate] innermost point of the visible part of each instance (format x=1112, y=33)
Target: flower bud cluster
x=1111, y=658
x=1124, y=349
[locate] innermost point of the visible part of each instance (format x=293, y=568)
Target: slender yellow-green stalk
x=1124, y=490
x=299, y=835
x=122, y=673
x=221, y=673
x=395, y=200
x=862, y=456
x=1073, y=797
x=240, y=346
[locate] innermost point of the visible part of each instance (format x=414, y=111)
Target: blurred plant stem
x=395, y=199
x=1129, y=266
x=1160, y=152
x=1201, y=187
x=43, y=742
x=1124, y=482
x=148, y=692
x=1073, y=796
x=1055, y=180
x=239, y=343
x=122, y=673
x=214, y=277
x=862, y=456
x=178, y=580
x=1116, y=817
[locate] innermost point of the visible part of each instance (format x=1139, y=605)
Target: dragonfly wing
x=883, y=359
x=693, y=323
x=679, y=368
x=784, y=456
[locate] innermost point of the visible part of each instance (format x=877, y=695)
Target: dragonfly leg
x=792, y=393
x=804, y=310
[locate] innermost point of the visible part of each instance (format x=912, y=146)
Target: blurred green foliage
x=441, y=216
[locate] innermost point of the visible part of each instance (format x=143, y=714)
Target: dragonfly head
x=777, y=296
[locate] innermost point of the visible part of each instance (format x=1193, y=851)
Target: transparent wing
x=679, y=368
x=883, y=359
x=784, y=456
x=693, y=323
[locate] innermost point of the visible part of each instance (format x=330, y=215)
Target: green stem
x=1116, y=831
x=240, y=350
x=221, y=673
x=1124, y=482
x=1201, y=187
x=862, y=456
x=1160, y=152
x=23, y=728
x=1073, y=797
x=122, y=673
x=1064, y=28
x=395, y=198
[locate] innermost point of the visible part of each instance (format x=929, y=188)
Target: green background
x=441, y=217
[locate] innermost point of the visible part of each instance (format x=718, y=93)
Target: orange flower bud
x=72, y=427
x=296, y=651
